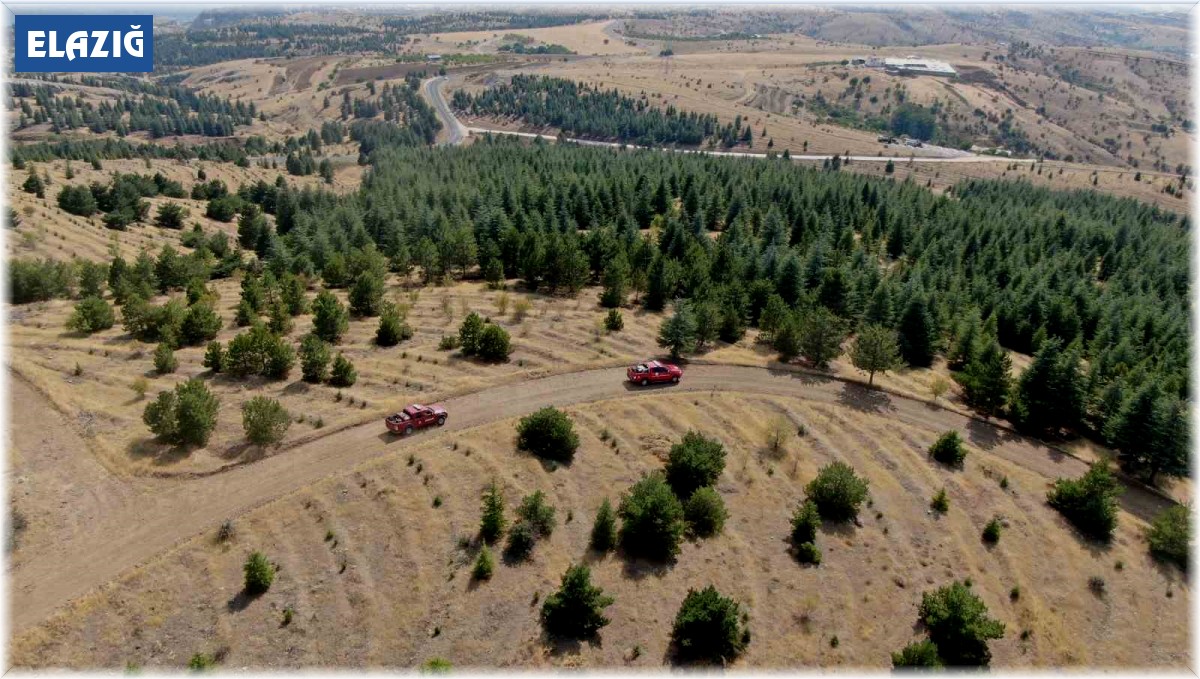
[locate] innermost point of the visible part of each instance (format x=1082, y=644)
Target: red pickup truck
x=415, y=416
x=653, y=372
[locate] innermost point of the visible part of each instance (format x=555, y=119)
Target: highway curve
x=131, y=535
x=433, y=92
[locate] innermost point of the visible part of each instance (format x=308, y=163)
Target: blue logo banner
x=84, y=43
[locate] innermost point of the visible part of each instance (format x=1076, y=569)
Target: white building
x=917, y=66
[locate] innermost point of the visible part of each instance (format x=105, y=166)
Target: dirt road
x=174, y=512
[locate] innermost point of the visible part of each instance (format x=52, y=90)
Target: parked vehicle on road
x=653, y=372
x=415, y=416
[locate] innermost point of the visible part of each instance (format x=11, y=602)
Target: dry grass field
x=375, y=562
x=556, y=336
x=590, y=39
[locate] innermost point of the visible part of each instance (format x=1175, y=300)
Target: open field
x=592, y=38
x=391, y=587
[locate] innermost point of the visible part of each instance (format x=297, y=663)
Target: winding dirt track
x=173, y=512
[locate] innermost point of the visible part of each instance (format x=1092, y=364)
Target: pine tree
x=1049, y=394
x=576, y=610
x=604, y=530
x=821, y=336
x=616, y=282
x=330, y=320
x=875, y=350
x=918, y=333
x=491, y=526
x=1150, y=432
x=678, y=333
x=986, y=379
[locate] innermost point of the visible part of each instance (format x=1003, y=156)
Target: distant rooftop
x=914, y=64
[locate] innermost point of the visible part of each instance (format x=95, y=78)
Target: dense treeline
x=229, y=151
x=1096, y=287
x=161, y=110
x=581, y=110
x=398, y=116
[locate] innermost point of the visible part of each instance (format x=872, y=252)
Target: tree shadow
x=160, y=453
x=240, y=601
x=841, y=529
x=1096, y=547
x=630, y=386
x=806, y=378
x=561, y=646
x=639, y=568
x=675, y=658
x=592, y=556
x=864, y=399
x=986, y=436
x=237, y=450
x=297, y=387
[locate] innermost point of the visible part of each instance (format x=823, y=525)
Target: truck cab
x=415, y=416
x=653, y=372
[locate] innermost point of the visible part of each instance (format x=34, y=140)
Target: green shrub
x=958, y=625
x=940, y=502
x=259, y=574
x=343, y=373
x=922, y=653
x=1170, y=535
x=392, y=328
x=708, y=627
x=604, y=529
x=280, y=359
x=366, y=294
x=693, y=463
x=448, y=343
x=265, y=421
x=185, y=416
x=705, y=512
x=436, y=666
x=92, y=314
x=613, y=322
x=520, y=541
x=991, y=532
x=948, y=449
x=214, y=356
x=491, y=526
x=805, y=523
x=576, y=610
x=1089, y=502
x=39, y=280
x=494, y=343
x=314, y=359
x=164, y=359
x=837, y=492
x=330, y=319
x=200, y=324
x=484, y=565
x=808, y=553
x=652, y=522
x=549, y=434
x=279, y=321
x=470, y=332
x=258, y=352
x=201, y=662
x=537, y=514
